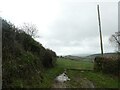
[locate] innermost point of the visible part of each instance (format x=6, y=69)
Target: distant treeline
x=23, y=59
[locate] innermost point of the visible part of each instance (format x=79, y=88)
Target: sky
x=68, y=27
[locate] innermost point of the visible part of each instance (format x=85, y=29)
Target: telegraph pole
x=100, y=30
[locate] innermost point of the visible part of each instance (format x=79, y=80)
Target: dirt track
x=83, y=83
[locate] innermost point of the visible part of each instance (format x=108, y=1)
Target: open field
x=79, y=79
x=73, y=64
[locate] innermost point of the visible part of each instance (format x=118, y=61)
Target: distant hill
x=80, y=55
x=105, y=54
x=90, y=57
x=73, y=57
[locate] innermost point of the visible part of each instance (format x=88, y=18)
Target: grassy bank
x=23, y=58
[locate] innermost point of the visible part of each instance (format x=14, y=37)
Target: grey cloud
x=76, y=30
x=85, y=46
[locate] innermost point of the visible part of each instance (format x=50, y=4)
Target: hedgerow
x=107, y=65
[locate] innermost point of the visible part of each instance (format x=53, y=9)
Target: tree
x=30, y=29
x=115, y=38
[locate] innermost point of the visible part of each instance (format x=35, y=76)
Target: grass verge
x=99, y=79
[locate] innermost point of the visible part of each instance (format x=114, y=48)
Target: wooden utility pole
x=100, y=30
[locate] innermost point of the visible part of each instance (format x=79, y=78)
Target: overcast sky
x=66, y=26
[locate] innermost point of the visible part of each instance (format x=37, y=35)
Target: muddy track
x=83, y=83
x=59, y=85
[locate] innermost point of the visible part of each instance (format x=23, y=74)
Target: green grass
x=74, y=64
x=101, y=80
x=49, y=76
x=97, y=78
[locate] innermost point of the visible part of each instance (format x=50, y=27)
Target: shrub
x=98, y=63
x=107, y=65
x=49, y=58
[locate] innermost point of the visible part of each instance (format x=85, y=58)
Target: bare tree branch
x=115, y=38
x=30, y=29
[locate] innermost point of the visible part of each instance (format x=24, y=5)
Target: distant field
x=74, y=64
